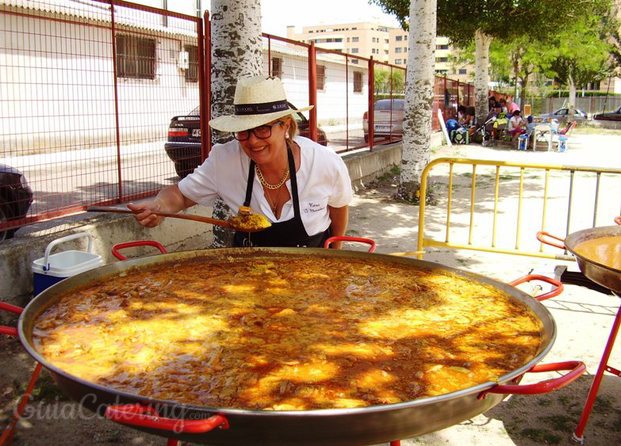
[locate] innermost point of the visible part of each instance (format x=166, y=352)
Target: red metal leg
x=395, y=443
x=603, y=367
x=172, y=442
x=7, y=434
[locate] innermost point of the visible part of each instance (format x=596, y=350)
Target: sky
x=278, y=14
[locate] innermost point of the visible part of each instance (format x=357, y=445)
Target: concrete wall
x=29, y=244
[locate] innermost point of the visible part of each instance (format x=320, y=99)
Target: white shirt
x=323, y=180
x=515, y=122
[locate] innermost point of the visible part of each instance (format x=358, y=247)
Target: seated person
x=516, y=125
x=554, y=126
x=470, y=121
x=491, y=101
x=451, y=127
x=511, y=106
x=492, y=116
x=461, y=114
x=530, y=125
x=500, y=124
x=503, y=105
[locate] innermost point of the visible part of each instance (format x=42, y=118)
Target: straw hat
x=258, y=100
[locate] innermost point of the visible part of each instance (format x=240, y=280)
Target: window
x=441, y=59
x=354, y=61
x=277, y=67
x=357, y=82
x=354, y=50
x=191, y=74
x=355, y=39
x=398, y=50
x=463, y=71
x=321, y=77
x=398, y=62
x=399, y=38
x=442, y=47
x=135, y=57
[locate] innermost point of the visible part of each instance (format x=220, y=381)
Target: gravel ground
x=583, y=319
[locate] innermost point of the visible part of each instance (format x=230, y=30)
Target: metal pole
x=370, y=115
x=204, y=83
x=312, y=89
x=116, y=108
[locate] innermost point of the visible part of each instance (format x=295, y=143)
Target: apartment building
x=363, y=39
x=385, y=44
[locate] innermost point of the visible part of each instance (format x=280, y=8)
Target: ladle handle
x=200, y=218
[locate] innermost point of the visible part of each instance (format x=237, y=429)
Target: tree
x=517, y=60
x=418, y=97
x=484, y=20
x=236, y=52
x=388, y=80
x=579, y=54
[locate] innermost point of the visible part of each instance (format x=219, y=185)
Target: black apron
x=290, y=233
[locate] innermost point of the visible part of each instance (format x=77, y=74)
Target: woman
x=516, y=125
x=302, y=187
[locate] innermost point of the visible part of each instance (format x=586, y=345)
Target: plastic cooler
x=51, y=269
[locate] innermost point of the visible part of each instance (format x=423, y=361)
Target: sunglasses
x=261, y=132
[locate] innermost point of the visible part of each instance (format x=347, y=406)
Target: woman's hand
x=144, y=212
x=169, y=199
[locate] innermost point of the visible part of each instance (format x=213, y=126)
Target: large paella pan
x=373, y=397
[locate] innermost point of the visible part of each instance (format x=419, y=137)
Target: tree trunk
x=418, y=97
x=481, y=77
x=236, y=52
x=523, y=84
x=571, y=106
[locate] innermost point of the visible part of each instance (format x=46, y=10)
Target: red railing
x=93, y=85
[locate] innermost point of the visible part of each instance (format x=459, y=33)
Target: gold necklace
x=269, y=186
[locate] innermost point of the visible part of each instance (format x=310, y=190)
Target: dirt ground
x=583, y=317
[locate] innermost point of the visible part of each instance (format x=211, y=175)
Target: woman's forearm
x=339, y=219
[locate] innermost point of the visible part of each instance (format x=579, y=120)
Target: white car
x=561, y=115
x=388, y=115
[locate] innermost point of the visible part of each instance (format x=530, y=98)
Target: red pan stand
x=9, y=431
x=603, y=367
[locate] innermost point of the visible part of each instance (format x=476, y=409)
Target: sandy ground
x=583, y=317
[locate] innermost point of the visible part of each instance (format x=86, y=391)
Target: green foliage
x=579, y=52
x=587, y=93
x=386, y=80
x=502, y=19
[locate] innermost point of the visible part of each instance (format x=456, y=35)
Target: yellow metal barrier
x=524, y=198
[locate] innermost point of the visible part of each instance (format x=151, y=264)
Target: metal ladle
x=245, y=221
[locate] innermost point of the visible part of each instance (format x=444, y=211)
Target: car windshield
x=387, y=104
